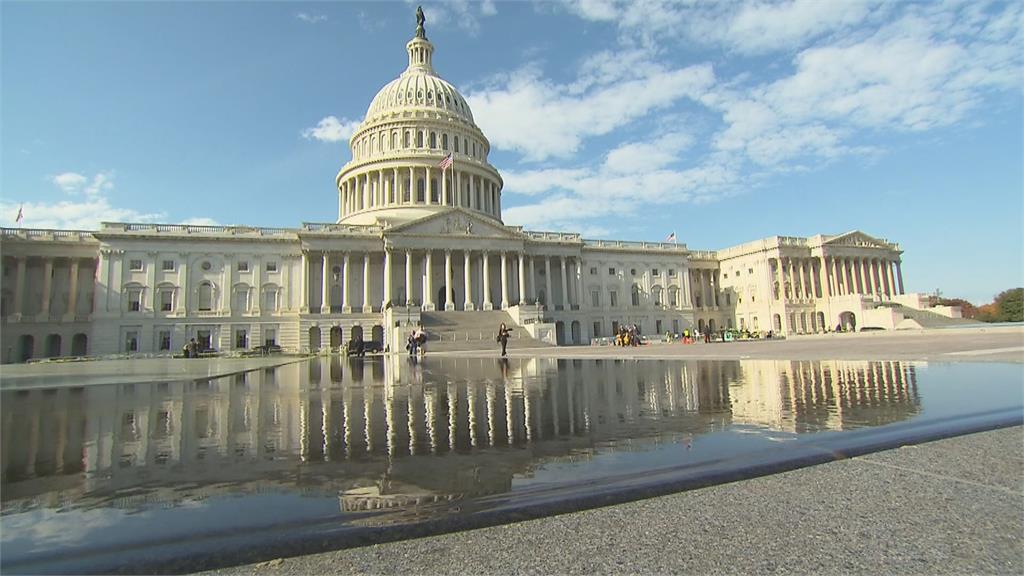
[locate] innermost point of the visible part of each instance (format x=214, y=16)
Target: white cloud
x=540, y=119
x=764, y=27
x=70, y=182
x=67, y=215
x=95, y=206
x=635, y=157
x=311, y=18
x=331, y=129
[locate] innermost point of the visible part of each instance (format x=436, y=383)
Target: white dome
x=417, y=89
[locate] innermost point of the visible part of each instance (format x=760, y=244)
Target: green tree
x=1010, y=305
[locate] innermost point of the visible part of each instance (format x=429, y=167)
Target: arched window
x=240, y=298
x=205, y=296
x=408, y=139
x=444, y=141
x=656, y=295
x=435, y=192
x=268, y=303
x=433, y=140
x=420, y=190
x=394, y=140
x=636, y=295
x=456, y=143
x=419, y=139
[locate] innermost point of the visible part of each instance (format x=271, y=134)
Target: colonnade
x=68, y=282
x=706, y=287
x=828, y=276
x=419, y=186
x=516, y=270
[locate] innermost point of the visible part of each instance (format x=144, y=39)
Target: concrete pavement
x=953, y=506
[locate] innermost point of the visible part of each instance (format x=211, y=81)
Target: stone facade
x=413, y=235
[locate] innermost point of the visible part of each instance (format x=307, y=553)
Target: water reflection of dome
x=436, y=429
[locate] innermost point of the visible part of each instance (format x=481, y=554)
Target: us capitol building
x=417, y=244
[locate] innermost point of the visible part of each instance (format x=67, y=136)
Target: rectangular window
x=750, y=270
x=597, y=329
x=615, y=327
x=134, y=300
x=655, y=272
x=241, y=339
x=671, y=272
x=166, y=300
x=595, y=298
x=611, y=271
x=167, y=265
x=270, y=301
x=728, y=299
x=164, y=341
x=613, y=299
x=593, y=271
x=131, y=341
x=657, y=326
x=269, y=336
x=243, y=266
x=271, y=266
x=135, y=265
x=673, y=298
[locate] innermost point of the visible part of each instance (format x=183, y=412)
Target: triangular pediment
x=455, y=223
x=856, y=238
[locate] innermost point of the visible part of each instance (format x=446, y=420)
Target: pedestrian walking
x=502, y=338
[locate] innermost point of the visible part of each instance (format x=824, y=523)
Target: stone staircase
x=459, y=330
x=925, y=318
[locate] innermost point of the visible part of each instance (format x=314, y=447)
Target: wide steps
x=461, y=330
x=928, y=319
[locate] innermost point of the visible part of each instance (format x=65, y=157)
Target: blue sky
x=724, y=122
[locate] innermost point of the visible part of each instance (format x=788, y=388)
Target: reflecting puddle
x=89, y=472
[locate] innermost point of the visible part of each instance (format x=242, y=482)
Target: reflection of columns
x=565, y=286
x=428, y=284
x=387, y=278
x=504, y=280
x=48, y=285
x=522, y=279
x=547, y=282
x=408, y=277
x=367, y=307
x=487, y=282
x=325, y=291
x=346, y=304
x=467, y=269
x=449, y=294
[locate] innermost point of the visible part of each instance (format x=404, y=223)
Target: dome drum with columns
x=412, y=124
x=414, y=244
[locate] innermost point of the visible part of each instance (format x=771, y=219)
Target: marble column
x=304, y=284
x=19, y=285
x=504, y=280
x=72, y=310
x=522, y=279
x=325, y=289
x=781, y=280
x=467, y=278
x=408, y=277
x=565, y=286
x=889, y=265
x=48, y=285
x=367, y=305
x=428, y=281
x=547, y=282
x=486, y=282
x=387, y=278
x=533, y=281
x=449, y=293
x=346, y=302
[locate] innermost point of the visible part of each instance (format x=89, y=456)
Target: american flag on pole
x=20, y=216
x=446, y=162
x=671, y=237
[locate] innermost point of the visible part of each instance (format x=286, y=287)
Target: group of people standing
x=628, y=336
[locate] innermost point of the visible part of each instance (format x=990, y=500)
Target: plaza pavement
x=986, y=344
x=952, y=506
